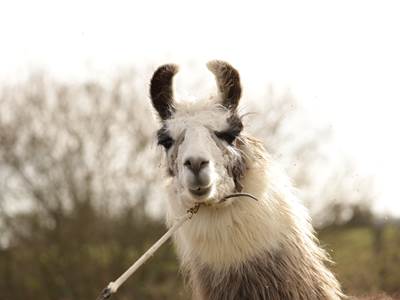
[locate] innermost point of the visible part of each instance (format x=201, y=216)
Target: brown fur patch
x=236, y=169
x=172, y=166
x=275, y=276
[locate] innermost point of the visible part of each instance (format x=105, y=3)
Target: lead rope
x=114, y=285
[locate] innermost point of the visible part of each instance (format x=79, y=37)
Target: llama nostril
x=204, y=163
x=196, y=164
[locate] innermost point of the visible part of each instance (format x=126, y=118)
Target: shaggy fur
x=257, y=250
x=241, y=248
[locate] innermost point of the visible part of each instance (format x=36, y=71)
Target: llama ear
x=228, y=82
x=161, y=92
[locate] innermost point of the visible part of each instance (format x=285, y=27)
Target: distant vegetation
x=367, y=259
x=81, y=194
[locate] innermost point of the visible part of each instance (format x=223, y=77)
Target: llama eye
x=232, y=132
x=165, y=141
x=227, y=136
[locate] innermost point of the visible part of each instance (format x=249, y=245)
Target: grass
x=365, y=261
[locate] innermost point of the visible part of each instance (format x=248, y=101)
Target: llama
x=238, y=248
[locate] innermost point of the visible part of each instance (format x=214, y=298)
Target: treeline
x=81, y=193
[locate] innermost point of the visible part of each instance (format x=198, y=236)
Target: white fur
x=226, y=234
x=197, y=121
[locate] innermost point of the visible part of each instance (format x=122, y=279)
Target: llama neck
x=226, y=236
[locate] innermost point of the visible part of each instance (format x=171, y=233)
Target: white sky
x=341, y=59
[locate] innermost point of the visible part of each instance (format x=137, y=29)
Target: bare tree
x=76, y=170
x=78, y=179
x=326, y=182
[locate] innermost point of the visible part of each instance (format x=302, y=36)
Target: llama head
x=201, y=139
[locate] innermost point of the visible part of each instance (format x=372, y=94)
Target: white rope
x=114, y=285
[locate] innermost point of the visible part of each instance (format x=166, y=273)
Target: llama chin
x=238, y=249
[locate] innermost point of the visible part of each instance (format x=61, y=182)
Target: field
x=367, y=259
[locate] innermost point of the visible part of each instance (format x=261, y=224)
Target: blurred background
x=81, y=186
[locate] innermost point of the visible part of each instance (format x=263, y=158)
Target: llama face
x=201, y=139
x=202, y=155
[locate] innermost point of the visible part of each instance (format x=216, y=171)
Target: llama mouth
x=200, y=191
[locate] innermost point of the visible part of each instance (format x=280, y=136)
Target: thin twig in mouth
x=238, y=195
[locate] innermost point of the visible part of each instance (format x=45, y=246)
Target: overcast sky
x=340, y=59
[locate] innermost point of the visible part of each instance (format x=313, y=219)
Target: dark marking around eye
x=164, y=139
x=233, y=131
x=227, y=136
